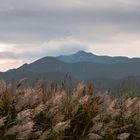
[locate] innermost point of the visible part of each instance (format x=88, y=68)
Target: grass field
x=47, y=111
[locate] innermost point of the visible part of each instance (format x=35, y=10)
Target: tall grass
x=49, y=112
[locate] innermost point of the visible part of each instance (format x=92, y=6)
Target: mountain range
x=105, y=71
x=81, y=56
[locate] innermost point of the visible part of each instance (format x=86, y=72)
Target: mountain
x=106, y=74
x=80, y=70
x=81, y=56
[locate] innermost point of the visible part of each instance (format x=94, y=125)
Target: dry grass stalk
x=48, y=112
x=61, y=126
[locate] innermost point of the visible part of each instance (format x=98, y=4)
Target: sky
x=32, y=29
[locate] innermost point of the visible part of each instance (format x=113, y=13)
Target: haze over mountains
x=106, y=72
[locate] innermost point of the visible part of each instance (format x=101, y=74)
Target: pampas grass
x=47, y=111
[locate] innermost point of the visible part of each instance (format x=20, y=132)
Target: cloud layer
x=31, y=29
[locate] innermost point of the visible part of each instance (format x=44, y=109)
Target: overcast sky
x=31, y=29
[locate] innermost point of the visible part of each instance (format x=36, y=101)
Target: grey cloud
x=37, y=21
x=52, y=27
x=10, y=55
x=32, y=52
x=7, y=55
x=10, y=4
x=46, y=24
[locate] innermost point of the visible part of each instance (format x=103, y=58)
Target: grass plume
x=49, y=112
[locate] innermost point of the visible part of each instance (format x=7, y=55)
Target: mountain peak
x=81, y=52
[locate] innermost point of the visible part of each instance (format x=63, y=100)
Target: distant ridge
x=81, y=56
x=82, y=66
x=106, y=72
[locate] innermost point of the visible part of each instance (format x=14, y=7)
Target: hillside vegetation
x=47, y=111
